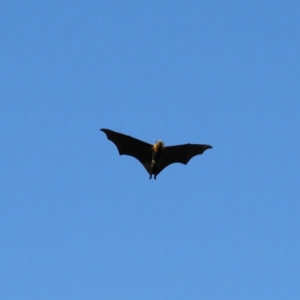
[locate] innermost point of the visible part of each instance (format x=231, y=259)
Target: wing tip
x=105, y=130
x=208, y=147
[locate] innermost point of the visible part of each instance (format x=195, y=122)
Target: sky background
x=78, y=221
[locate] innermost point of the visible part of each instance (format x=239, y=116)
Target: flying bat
x=154, y=157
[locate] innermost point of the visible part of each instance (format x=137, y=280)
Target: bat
x=154, y=157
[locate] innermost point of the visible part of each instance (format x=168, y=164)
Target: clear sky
x=78, y=221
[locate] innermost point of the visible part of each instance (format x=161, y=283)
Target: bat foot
x=155, y=177
x=150, y=176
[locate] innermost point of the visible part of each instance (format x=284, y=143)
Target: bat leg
x=150, y=176
x=155, y=177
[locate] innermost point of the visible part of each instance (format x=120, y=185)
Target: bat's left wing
x=180, y=154
x=128, y=145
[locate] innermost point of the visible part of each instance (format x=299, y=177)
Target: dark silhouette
x=154, y=157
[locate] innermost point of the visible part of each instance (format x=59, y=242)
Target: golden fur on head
x=159, y=145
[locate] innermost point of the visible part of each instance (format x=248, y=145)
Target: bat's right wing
x=128, y=145
x=180, y=154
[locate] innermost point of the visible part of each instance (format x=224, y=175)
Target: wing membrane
x=180, y=154
x=128, y=145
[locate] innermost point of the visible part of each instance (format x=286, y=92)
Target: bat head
x=159, y=145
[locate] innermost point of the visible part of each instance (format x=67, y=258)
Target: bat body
x=154, y=157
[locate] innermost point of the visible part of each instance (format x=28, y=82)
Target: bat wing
x=128, y=145
x=180, y=154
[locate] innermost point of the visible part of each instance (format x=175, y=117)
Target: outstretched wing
x=180, y=154
x=128, y=145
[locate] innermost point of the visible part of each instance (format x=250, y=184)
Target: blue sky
x=78, y=221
